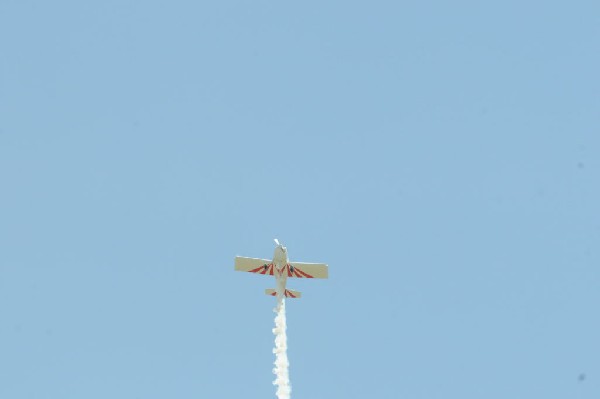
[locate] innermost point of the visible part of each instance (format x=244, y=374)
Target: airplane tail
x=288, y=293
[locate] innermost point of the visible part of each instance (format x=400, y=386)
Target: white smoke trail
x=282, y=378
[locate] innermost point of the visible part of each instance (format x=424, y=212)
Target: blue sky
x=442, y=158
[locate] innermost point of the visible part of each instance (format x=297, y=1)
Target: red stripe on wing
x=262, y=269
x=257, y=270
x=300, y=273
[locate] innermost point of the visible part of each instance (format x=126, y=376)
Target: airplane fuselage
x=280, y=261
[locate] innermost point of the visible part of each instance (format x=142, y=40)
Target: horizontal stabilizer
x=288, y=293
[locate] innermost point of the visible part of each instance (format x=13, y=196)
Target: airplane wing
x=254, y=265
x=307, y=270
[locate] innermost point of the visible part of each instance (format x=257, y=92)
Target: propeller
x=276, y=242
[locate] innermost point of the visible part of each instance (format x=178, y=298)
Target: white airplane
x=281, y=268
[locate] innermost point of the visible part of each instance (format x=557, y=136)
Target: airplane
x=281, y=268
